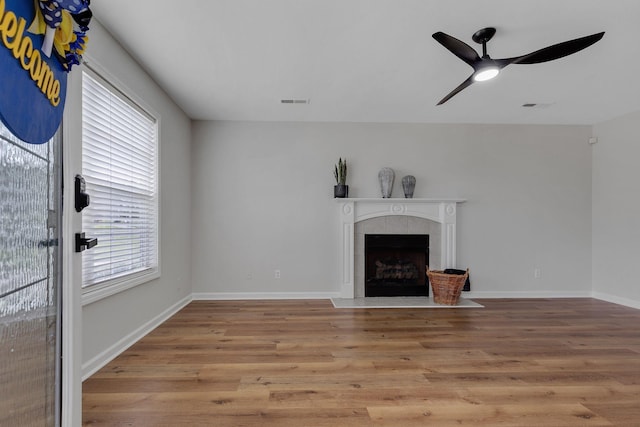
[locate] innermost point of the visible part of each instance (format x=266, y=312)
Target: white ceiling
x=375, y=60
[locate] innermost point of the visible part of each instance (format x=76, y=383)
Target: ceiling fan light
x=486, y=73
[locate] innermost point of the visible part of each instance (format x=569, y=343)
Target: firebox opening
x=395, y=265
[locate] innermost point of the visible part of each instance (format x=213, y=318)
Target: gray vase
x=408, y=185
x=386, y=177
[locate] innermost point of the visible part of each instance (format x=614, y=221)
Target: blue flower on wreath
x=56, y=19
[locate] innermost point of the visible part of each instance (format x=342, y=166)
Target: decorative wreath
x=64, y=24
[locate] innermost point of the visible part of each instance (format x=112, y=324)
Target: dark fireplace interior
x=395, y=265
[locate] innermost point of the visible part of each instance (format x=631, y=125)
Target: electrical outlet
x=276, y=274
x=249, y=276
x=536, y=273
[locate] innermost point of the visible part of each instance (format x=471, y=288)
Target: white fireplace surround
x=442, y=211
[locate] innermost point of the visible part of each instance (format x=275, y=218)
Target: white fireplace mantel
x=352, y=211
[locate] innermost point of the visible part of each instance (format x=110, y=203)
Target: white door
x=72, y=260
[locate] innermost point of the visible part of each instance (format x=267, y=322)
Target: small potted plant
x=340, y=190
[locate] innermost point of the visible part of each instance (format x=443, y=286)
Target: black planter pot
x=340, y=191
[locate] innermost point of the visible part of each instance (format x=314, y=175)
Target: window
x=119, y=164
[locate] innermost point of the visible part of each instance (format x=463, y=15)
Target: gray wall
x=616, y=210
x=110, y=320
x=262, y=200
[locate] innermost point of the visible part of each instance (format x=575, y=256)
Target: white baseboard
x=222, y=296
x=92, y=366
x=616, y=300
x=528, y=294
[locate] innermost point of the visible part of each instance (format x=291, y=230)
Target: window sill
x=95, y=293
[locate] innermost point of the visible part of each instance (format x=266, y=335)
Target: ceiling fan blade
x=457, y=47
x=462, y=85
x=556, y=51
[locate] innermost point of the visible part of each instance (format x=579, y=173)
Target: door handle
x=83, y=243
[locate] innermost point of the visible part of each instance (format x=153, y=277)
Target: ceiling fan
x=485, y=68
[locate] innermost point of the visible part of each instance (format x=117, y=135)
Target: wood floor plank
x=553, y=394
x=157, y=383
x=533, y=362
x=344, y=397
x=334, y=381
x=453, y=414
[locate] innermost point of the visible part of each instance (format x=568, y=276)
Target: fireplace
x=358, y=217
x=395, y=264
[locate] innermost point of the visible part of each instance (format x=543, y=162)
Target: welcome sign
x=33, y=85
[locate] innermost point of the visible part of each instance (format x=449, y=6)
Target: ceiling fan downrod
x=482, y=37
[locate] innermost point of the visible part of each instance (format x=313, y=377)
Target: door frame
x=71, y=261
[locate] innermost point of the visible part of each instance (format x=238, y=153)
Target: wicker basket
x=446, y=287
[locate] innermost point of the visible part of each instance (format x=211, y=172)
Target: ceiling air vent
x=295, y=101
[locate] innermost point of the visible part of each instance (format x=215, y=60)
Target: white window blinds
x=119, y=158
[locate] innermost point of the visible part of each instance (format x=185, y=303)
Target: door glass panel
x=29, y=281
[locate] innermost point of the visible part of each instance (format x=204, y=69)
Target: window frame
x=116, y=285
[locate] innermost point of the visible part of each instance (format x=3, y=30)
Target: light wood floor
x=540, y=362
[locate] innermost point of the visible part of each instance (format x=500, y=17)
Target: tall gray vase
x=386, y=177
x=408, y=185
